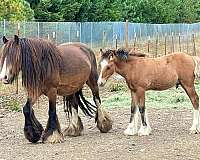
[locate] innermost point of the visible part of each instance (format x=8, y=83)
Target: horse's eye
x=108, y=67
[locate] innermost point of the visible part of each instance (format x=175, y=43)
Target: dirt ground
x=170, y=138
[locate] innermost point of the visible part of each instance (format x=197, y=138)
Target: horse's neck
x=121, y=68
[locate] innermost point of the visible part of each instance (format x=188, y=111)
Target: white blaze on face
x=102, y=81
x=3, y=70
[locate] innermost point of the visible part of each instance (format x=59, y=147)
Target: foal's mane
x=36, y=58
x=121, y=53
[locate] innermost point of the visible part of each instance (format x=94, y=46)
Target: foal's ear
x=16, y=39
x=4, y=40
x=101, y=51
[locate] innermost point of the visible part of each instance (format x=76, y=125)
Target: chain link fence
x=104, y=34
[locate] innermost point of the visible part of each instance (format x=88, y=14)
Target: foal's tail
x=197, y=66
x=80, y=102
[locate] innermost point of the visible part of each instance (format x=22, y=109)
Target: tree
x=15, y=10
x=48, y=10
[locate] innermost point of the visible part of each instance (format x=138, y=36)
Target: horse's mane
x=37, y=59
x=121, y=53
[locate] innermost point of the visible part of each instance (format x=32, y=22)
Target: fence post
x=156, y=45
x=135, y=39
x=116, y=41
x=91, y=34
x=17, y=80
x=38, y=34
x=165, y=43
x=126, y=34
x=103, y=39
x=148, y=45
x=194, y=45
x=172, y=47
x=4, y=27
x=179, y=41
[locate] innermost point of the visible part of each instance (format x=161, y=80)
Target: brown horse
x=142, y=74
x=50, y=70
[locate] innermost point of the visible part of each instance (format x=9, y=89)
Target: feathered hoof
x=104, y=122
x=52, y=137
x=74, y=130
x=32, y=134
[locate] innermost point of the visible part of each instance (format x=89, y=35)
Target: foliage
x=141, y=11
x=15, y=10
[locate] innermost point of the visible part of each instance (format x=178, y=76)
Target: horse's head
x=10, y=60
x=106, y=64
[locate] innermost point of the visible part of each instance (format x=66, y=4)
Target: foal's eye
x=108, y=67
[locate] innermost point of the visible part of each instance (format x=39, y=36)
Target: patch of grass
x=14, y=105
x=171, y=98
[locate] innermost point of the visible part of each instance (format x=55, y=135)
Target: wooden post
x=126, y=34
x=165, y=44
x=179, y=41
x=148, y=45
x=172, y=47
x=194, y=45
x=156, y=45
x=135, y=39
x=116, y=41
x=103, y=39
x=17, y=80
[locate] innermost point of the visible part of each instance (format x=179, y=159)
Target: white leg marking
x=145, y=130
x=74, y=117
x=132, y=128
x=195, y=124
x=3, y=71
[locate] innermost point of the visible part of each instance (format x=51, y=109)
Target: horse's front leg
x=75, y=127
x=132, y=128
x=52, y=133
x=32, y=128
x=145, y=128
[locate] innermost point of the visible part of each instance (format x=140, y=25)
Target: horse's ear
x=16, y=38
x=101, y=51
x=5, y=40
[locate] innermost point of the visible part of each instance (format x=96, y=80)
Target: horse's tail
x=80, y=101
x=197, y=66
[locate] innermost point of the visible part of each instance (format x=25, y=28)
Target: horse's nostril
x=5, y=77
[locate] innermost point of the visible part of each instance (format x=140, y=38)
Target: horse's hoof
x=104, y=123
x=194, y=130
x=130, y=132
x=144, y=131
x=52, y=137
x=74, y=130
x=32, y=134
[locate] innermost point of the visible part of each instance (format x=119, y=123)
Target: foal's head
x=107, y=63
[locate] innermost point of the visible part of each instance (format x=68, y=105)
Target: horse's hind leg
x=194, y=98
x=32, y=128
x=104, y=122
x=76, y=126
x=52, y=133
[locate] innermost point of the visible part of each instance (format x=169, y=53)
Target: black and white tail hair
x=80, y=101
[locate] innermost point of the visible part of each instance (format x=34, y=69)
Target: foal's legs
x=75, y=125
x=32, y=128
x=52, y=133
x=145, y=128
x=133, y=123
x=194, y=98
x=104, y=122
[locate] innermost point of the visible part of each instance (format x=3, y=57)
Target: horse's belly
x=70, y=84
x=163, y=82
